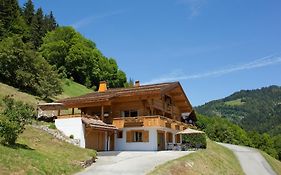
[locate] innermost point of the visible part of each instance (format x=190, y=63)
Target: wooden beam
x=102, y=113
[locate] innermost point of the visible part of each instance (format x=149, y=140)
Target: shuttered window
x=137, y=136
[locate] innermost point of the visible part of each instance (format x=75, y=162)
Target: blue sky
x=212, y=47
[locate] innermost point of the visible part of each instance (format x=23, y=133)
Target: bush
x=52, y=126
x=13, y=119
x=195, y=140
x=71, y=136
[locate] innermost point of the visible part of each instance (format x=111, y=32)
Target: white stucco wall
x=72, y=126
x=121, y=144
x=152, y=145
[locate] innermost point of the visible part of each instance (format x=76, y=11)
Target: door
x=95, y=139
x=112, y=136
x=161, y=140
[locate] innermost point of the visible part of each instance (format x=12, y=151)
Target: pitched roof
x=123, y=92
x=95, y=123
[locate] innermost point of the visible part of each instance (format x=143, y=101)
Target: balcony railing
x=149, y=121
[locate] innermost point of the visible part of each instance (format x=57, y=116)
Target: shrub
x=13, y=119
x=195, y=140
x=52, y=126
x=71, y=136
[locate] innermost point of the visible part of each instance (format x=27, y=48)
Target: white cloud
x=179, y=75
x=90, y=19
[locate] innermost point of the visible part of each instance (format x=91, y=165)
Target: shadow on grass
x=18, y=146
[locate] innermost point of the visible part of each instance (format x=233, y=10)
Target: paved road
x=130, y=162
x=252, y=162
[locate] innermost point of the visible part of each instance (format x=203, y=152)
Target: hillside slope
x=37, y=152
x=18, y=95
x=258, y=110
x=216, y=159
x=70, y=89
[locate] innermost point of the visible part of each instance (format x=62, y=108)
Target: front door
x=112, y=135
x=161, y=140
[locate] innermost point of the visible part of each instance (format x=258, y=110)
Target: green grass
x=236, y=102
x=39, y=153
x=215, y=159
x=18, y=95
x=72, y=89
x=274, y=163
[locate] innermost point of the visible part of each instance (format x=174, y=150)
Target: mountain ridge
x=254, y=110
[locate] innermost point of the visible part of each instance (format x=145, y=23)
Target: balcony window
x=130, y=113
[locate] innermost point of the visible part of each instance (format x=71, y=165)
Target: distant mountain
x=254, y=110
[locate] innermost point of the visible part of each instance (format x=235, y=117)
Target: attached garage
x=98, y=135
x=95, y=139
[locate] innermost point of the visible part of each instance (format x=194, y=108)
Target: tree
x=26, y=69
x=28, y=11
x=11, y=22
x=50, y=22
x=9, y=11
x=13, y=120
x=37, y=28
x=78, y=58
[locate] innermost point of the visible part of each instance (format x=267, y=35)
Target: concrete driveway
x=130, y=162
x=251, y=161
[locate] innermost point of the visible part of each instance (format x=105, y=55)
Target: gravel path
x=252, y=162
x=130, y=162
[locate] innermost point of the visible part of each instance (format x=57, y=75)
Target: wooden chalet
x=143, y=117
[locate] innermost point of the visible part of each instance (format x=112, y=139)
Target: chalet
x=143, y=117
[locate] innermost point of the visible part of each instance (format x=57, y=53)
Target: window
x=120, y=134
x=126, y=114
x=137, y=136
x=130, y=113
x=133, y=113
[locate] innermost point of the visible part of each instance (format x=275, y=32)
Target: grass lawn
x=72, y=89
x=39, y=153
x=215, y=159
x=274, y=163
x=18, y=95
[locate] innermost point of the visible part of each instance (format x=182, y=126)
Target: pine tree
x=52, y=22
x=37, y=28
x=28, y=11
x=9, y=13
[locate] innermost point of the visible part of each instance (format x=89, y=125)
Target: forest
x=36, y=53
x=247, y=117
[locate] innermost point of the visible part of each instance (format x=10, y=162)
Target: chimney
x=102, y=87
x=137, y=83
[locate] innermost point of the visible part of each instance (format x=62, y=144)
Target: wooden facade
x=158, y=105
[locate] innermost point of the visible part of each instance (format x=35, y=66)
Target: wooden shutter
x=145, y=136
x=129, y=137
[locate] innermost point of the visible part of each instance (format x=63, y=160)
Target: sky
x=212, y=47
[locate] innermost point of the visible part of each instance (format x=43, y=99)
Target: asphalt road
x=252, y=162
x=130, y=162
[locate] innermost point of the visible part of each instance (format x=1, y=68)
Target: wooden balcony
x=149, y=121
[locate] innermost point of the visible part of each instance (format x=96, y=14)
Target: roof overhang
x=51, y=106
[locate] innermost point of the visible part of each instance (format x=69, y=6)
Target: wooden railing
x=69, y=116
x=149, y=121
